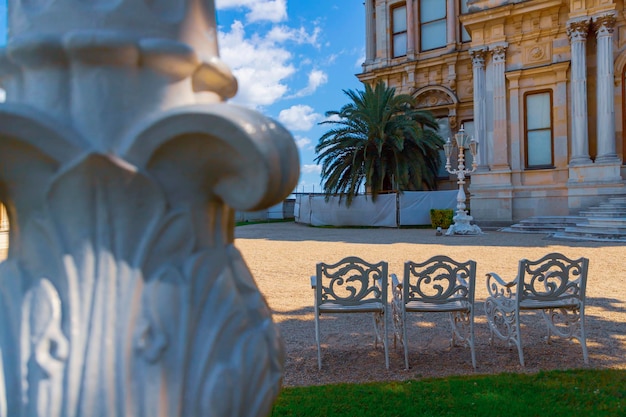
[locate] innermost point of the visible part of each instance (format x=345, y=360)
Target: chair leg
x=517, y=339
x=376, y=320
x=471, y=339
x=546, y=314
x=385, y=338
x=317, y=340
x=406, y=342
x=583, y=337
x=460, y=321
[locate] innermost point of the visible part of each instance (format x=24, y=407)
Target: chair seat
x=419, y=306
x=543, y=305
x=357, y=308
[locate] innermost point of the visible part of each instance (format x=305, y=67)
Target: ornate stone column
x=480, y=117
x=370, y=32
x=500, y=130
x=121, y=167
x=577, y=32
x=603, y=25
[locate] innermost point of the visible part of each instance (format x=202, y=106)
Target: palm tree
x=381, y=141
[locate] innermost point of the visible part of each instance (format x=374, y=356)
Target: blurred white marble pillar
x=577, y=31
x=480, y=96
x=605, y=97
x=121, y=167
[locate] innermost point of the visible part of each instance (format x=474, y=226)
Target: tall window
x=432, y=24
x=538, y=130
x=465, y=36
x=399, y=36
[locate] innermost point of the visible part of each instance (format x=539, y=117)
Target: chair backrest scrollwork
x=552, y=278
x=439, y=280
x=352, y=281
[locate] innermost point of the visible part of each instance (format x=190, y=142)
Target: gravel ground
x=282, y=256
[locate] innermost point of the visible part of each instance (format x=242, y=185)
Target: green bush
x=441, y=218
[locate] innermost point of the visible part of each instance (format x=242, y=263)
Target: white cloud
x=262, y=62
x=299, y=36
x=260, y=10
x=316, y=79
x=261, y=67
x=299, y=117
x=274, y=11
x=311, y=169
x=303, y=143
x=332, y=118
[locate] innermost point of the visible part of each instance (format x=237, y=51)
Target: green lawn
x=551, y=394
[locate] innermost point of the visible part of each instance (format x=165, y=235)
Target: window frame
x=526, y=130
x=462, y=29
x=405, y=32
x=421, y=24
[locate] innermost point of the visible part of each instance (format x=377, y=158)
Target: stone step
x=604, y=222
x=544, y=224
x=607, y=213
x=551, y=220
x=592, y=234
x=607, y=207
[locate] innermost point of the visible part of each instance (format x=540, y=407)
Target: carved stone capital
x=478, y=57
x=577, y=30
x=604, y=24
x=498, y=52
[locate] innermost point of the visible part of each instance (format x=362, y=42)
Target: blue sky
x=292, y=59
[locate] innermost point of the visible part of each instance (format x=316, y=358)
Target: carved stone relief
x=433, y=98
x=538, y=53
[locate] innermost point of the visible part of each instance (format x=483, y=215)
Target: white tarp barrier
x=362, y=212
x=415, y=205
x=412, y=207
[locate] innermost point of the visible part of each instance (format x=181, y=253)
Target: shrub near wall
x=441, y=218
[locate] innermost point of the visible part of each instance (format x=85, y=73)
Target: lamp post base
x=462, y=226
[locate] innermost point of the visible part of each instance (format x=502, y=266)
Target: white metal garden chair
x=352, y=285
x=438, y=285
x=555, y=285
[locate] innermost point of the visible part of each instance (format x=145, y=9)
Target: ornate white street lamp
x=462, y=221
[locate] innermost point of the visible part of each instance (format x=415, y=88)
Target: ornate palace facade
x=539, y=83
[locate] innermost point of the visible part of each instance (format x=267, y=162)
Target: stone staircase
x=604, y=222
x=544, y=224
